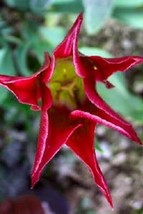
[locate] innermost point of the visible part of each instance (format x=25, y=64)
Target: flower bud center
x=66, y=87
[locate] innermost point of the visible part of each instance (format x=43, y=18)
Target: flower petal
x=60, y=129
x=26, y=89
x=107, y=66
x=95, y=99
x=44, y=126
x=65, y=48
x=101, y=68
x=102, y=118
x=82, y=143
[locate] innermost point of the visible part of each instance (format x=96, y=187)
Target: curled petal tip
x=141, y=143
x=136, y=139
x=32, y=187
x=32, y=183
x=34, y=180
x=80, y=16
x=108, y=84
x=111, y=203
x=108, y=196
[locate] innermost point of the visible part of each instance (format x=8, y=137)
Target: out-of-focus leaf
x=3, y=94
x=12, y=39
x=6, y=67
x=61, y=1
x=132, y=17
x=98, y=147
x=74, y=6
x=131, y=3
x=6, y=62
x=121, y=100
x=29, y=30
x=90, y=51
x=40, y=48
x=48, y=39
x=39, y=6
x=11, y=3
x=96, y=14
x=4, y=28
x=21, y=58
x=22, y=5
x=53, y=35
x=36, y=6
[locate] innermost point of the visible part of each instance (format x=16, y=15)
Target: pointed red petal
x=26, y=89
x=101, y=68
x=102, y=118
x=58, y=133
x=107, y=66
x=82, y=143
x=93, y=96
x=65, y=48
x=43, y=132
x=44, y=126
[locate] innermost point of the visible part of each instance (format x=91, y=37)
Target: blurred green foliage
x=85, y=207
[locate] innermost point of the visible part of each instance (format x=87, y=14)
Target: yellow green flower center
x=66, y=87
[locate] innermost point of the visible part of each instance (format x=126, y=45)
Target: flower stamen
x=66, y=87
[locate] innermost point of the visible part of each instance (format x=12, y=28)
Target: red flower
x=70, y=105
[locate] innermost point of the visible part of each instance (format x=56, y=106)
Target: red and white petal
x=65, y=48
x=41, y=144
x=24, y=89
x=107, y=66
x=102, y=118
x=101, y=68
x=82, y=143
x=27, y=89
x=59, y=131
x=44, y=127
x=96, y=100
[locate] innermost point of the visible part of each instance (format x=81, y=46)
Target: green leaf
x=68, y=7
x=40, y=48
x=3, y=94
x=129, y=4
x=21, y=58
x=6, y=62
x=98, y=147
x=48, y=39
x=22, y=5
x=121, y=100
x=7, y=68
x=90, y=51
x=132, y=17
x=39, y=6
x=96, y=14
x=11, y=3
x=61, y=1
x=53, y=35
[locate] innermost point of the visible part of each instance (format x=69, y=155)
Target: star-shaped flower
x=69, y=103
